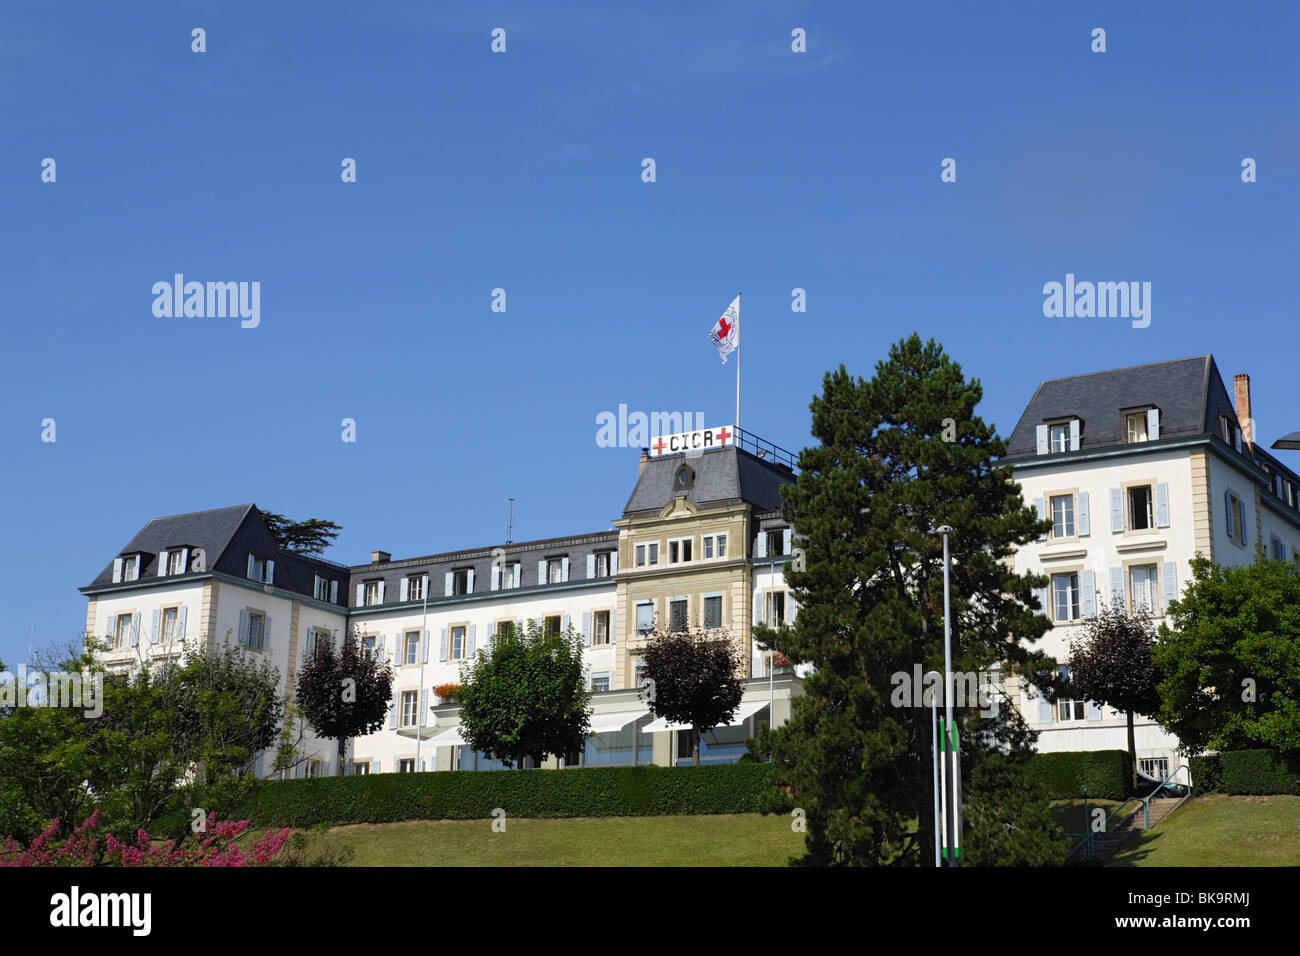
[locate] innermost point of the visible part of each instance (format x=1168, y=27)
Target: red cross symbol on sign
x=658, y=446
x=723, y=435
x=724, y=327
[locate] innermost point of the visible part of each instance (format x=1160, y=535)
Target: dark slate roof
x=210, y=530
x=1188, y=392
x=527, y=553
x=721, y=474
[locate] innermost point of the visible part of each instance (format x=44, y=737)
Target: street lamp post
x=949, y=731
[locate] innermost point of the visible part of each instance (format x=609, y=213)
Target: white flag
x=725, y=333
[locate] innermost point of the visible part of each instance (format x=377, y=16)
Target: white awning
x=610, y=723
x=449, y=738
x=743, y=713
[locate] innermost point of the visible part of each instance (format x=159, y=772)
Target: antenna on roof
x=510, y=523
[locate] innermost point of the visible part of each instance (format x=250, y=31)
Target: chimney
x=379, y=557
x=640, y=467
x=1241, y=396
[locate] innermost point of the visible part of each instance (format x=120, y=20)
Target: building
x=1139, y=469
x=700, y=543
x=1162, y=454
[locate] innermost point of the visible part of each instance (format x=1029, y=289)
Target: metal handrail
x=1146, y=804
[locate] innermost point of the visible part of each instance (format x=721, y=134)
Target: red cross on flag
x=725, y=333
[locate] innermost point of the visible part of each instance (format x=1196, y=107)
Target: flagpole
x=737, y=425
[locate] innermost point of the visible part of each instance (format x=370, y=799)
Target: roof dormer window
x=1058, y=436
x=260, y=569
x=1142, y=426
x=126, y=568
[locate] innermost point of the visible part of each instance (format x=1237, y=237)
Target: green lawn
x=1219, y=830
x=731, y=840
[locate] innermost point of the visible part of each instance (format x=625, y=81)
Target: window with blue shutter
x=586, y=626
x=1088, y=593
x=1117, y=510
x=1162, y=505
x=1169, y=583
x=153, y=626
x=1117, y=586
x=442, y=645
x=1081, y=516
x=1041, y=435
x=1074, y=434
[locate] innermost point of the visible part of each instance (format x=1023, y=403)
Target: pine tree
x=865, y=503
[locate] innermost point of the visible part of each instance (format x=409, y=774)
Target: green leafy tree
x=866, y=500
x=1111, y=662
x=344, y=693
x=1229, y=658
x=693, y=677
x=527, y=697
x=311, y=537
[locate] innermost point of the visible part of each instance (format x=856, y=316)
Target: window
x=360, y=768
x=1278, y=549
x=1065, y=597
x=551, y=625
x=776, y=543
x=510, y=575
x=311, y=768
x=415, y=587
x=599, y=682
x=677, y=614
x=176, y=562
x=722, y=545
x=367, y=647
x=169, y=616
x=371, y=593
x=1236, y=519
x=1143, y=589
x=1155, y=768
x=647, y=554
x=131, y=568
x=1140, y=516
x=645, y=618
x=708, y=546
x=322, y=589
x=122, y=632
x=257, y=568
x=713, y=610
x=502, y=631
x=460, y=581
x=638, y=668
x=1135, y=427
x=603, y=564
x=458, y=648
x=406, y=765
x=1059, y=438
x=1063, y=516
x=316, y=639
x=1225, y=427
x=410, y=707
x=554, y=570
x=256, y=630
x=600, y=627
x=1069, y=709
x=777, y=607
x=685, y=745
x=679, y=550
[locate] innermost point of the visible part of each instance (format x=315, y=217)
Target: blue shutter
x=334, y=592
x=442, y=645
x=1117, y=510
x=249, y=575
x=1044, y=708
x=1088, y=593
x=1041, y=594
x=760, y=546
x=117, y=570
x=392, y=713
x=1074, y=434
x=243, y=626
x=1117, y=586
x=1169, y=583
x=1228, y=515
x=1043, y=446
x=135, y=629
x=586, y=628
x=469, y=581
x=446, y=585
x=162, y=563
x=1082, y=520
x=758, y=603
x=591, y=566
x=154, y=636
x=1092, y=710
x=424, y=707
x=180, y=623
x=1241, y=506
x=266, y=632
x=613, y=562
x=1162, y=504
x=424, y=645
x=469, y=639
x=564, y=569
x=1153, y=425
x=495, y=582
x=1040, y=506
x=270, y=572
x=361, y=593
x=406, y=589
x=787, y=539
x=564, y=623
x=381, y=590
x=541, y=571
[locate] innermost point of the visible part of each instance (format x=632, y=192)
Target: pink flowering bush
x=213, y=847
x=781, y=659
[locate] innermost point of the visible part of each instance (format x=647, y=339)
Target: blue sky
x=522, y=171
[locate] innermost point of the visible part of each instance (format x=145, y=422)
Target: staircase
x=1163, y=800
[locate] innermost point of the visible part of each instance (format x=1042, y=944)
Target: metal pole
x=948, y=695
x=934, y=753
x=737, y=359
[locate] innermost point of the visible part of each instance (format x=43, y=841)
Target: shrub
x=471, y=795
x=1106, y=773
x=1247, y=772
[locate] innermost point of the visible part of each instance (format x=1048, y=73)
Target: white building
x=1139, y=469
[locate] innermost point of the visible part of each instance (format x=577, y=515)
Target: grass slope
x=1220, y=830
x=729, y=840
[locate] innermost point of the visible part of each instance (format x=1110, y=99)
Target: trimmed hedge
x=473, y=795
x=1107, y=773
x=1256, y=772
